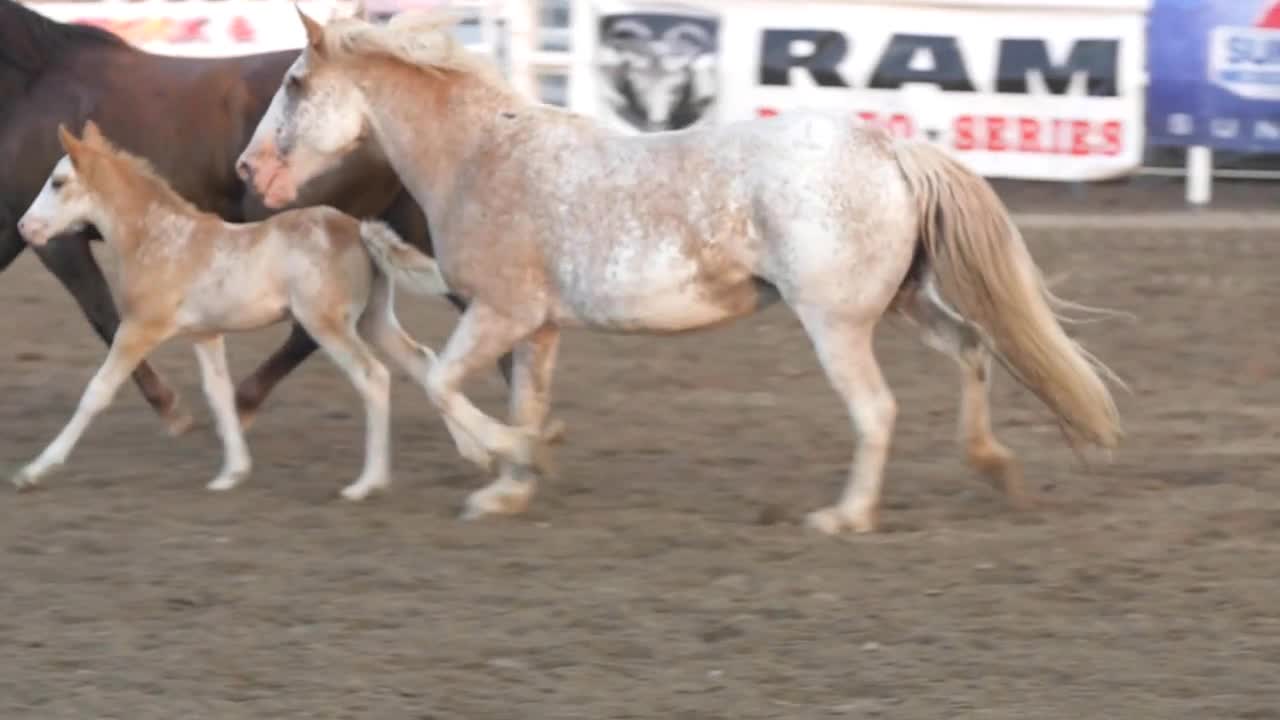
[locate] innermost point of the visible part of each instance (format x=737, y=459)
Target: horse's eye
x=57, y=183
x=295, y=83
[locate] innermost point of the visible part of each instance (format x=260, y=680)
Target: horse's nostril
x=243, y=170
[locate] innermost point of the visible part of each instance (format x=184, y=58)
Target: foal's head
x=73, y=195
x=65, y=203
x=320, y=114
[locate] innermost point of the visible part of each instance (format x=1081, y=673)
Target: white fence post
x=522, y=34
x=582, y=82
x=1199, y=175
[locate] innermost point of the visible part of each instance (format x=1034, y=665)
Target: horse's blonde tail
x=983, y=266
x=406, y=266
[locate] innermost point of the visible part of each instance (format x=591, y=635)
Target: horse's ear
x=92, y=135
x=315, y=32
x=70, y=144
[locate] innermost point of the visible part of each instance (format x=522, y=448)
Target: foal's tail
x=982, y=265
x=405, y=265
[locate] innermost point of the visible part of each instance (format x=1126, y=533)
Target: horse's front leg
x=530, y=402
x=253, y=390
x=554, y=430
x=129, y=346
x=70, y=260
x=480, y=338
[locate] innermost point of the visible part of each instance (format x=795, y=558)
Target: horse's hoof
x=177, y=421
x=834, y=521
x=533, y=451
x=554, y=432
x=479, y=457
x=544, y=461
x=497, y=500
x=473, y=452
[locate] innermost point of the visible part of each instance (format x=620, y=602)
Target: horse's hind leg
x=946, y=331
x=844, y=348
x=72, y=262
x=216, y=378
x=530, y=401
x=342, y=342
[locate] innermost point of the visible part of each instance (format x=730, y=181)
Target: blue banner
x=1215, y=74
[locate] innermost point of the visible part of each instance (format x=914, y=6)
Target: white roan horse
x=543, y=219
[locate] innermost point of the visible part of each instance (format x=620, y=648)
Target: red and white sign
x=200, y=27
x=1046, y=91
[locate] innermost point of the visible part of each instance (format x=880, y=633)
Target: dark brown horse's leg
x=70, y=260
x=11, y=243
x=253, y=390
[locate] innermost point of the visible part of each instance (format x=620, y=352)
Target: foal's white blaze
x=62, y=205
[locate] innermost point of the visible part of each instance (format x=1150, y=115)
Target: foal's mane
x=30, y=41
x=420, y=38
x=135, y=168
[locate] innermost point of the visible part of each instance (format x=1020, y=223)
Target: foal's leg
x=480, y=338
x=530, y=401
x=340, y=339
x=212, y=356
x=130, y=345
x=70, y=260
x=380, y=327
x=946, y=331
x=844, y=347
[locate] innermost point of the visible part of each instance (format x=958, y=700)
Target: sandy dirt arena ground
x=664, y=574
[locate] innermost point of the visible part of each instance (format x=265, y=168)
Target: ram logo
x=658, y=70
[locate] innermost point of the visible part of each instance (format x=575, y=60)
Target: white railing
x=529, y=38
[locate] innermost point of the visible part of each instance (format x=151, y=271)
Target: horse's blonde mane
x=421, y=38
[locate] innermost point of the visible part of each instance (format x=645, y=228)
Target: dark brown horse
x=189, y=117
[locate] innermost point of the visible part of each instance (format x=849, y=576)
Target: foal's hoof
x=359, y=490
x=25, y=479
x=834, y=521
x=226, y=481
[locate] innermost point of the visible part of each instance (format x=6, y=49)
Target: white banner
x=1032, y=89
x=201, y=28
